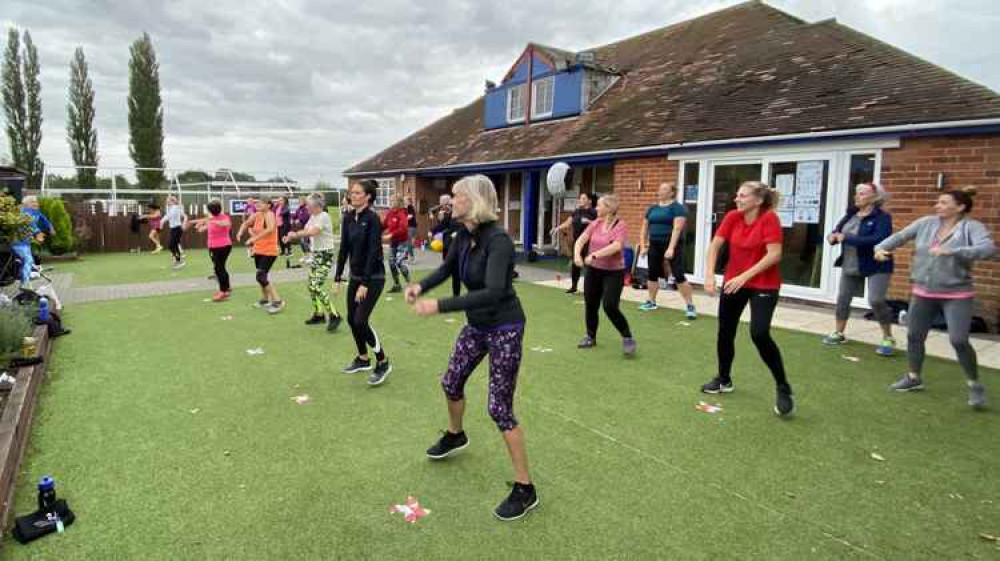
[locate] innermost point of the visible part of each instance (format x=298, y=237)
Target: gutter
x=660, y=149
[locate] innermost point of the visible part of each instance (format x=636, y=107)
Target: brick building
x=749, y=92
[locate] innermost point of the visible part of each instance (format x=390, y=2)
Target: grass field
x=100, y=269
x=179, y=445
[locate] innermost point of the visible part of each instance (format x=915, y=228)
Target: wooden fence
x=98, y=231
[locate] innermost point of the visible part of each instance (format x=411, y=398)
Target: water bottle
x=43, y=309
x=46, y=494
x=902, y=317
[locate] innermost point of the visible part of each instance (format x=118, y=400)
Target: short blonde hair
x=316, y=199
x=482, y=195
x=610, y=201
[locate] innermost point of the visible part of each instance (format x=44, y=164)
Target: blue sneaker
x=886, y=348
x=690, y=314
x=648, y=306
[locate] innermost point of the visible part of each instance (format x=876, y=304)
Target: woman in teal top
x=660, y=240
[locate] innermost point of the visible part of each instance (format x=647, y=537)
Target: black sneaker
x=448, y=445
x=718, y=385
x=333, y=324
x=381, y=372
x=522, y=498
x=396, y=288
x=316, y=319
x=358, y=365
x=784, y=405
x=262, y=303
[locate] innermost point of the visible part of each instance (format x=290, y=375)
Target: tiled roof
x=746, y=71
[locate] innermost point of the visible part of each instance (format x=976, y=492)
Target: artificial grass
x=102, y=269
x=178, y=445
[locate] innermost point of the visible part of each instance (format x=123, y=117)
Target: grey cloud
x=310, y=87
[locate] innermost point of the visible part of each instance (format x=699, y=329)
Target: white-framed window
x=386, y=189
x=515, y=104
x=543, y=97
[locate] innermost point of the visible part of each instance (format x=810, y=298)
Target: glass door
x=725, y=182
x=802, y=183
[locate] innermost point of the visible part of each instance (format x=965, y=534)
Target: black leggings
x=762, y=306
x=600, y=286
x=283, y=230
x=358, y=314
x=175, y=242
x=219, y=257
x=574, y=271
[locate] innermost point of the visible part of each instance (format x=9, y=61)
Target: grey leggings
x=958, y=315
x=878, y=287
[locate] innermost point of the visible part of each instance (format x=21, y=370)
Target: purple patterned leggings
x=503, y=345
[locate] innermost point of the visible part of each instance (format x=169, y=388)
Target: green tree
x=80, y=132
x=14, y=225
x=12, y=87
x=33, y=103
x=193, y=176
x=145, y=112
x=62, y=241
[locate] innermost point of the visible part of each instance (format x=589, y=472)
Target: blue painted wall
x=520, y=74
x=568, y=94
x=496, y=108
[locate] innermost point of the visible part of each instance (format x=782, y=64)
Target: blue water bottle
x=46, y=494
x=43, y=309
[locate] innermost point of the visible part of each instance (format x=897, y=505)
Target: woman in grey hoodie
x=947, y=245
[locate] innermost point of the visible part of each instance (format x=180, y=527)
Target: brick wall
x=910, y=175
x=634, y=197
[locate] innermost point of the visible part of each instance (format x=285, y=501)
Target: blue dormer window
x=515, y=104
x=543, y=97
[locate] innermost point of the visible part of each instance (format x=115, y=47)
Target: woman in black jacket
x=361, y=243
x=858, y=232
x=482, y=255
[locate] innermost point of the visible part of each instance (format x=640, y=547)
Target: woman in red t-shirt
x=753, y=232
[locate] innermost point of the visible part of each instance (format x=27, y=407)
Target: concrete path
x=800, y=317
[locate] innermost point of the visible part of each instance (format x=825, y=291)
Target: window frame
x=384, y=193
x=535, y=97
x=520, y=88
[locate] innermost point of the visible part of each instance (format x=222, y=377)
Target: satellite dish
x=555, y=180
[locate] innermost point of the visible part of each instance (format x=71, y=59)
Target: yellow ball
x=437, y=245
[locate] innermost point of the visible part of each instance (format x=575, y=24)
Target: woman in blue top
x=659, y=239
x=864, y=227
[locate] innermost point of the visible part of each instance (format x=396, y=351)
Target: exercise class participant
x=411, y=224
x=284, y=217
x=605, y=241
x=361, y=243
x=154, y=216
x=220, y=244
x=301, y=218
x=863, y=227
x=446, y=226
x=319, y=230
x=660, y=240
x=947, y=246
x=397, y=234
x=582, y=216
x=263, y=244
x=175, y=218
x=753, y=233
x=483, y=256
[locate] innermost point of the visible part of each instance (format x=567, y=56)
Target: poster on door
x=808, y=192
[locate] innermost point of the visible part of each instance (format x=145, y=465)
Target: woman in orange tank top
x=263, y=243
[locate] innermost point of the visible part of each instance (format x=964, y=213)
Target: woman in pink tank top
x=218, y=226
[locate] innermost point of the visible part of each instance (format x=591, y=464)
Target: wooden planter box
x=15, y=423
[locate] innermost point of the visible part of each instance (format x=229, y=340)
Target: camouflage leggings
x=319, y=269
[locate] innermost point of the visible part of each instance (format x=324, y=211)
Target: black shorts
x=657, y=251
x=264, y=262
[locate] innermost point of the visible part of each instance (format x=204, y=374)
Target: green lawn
x=99, y=269
x=170, y=442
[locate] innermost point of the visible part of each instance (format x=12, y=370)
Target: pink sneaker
x=220, y=296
